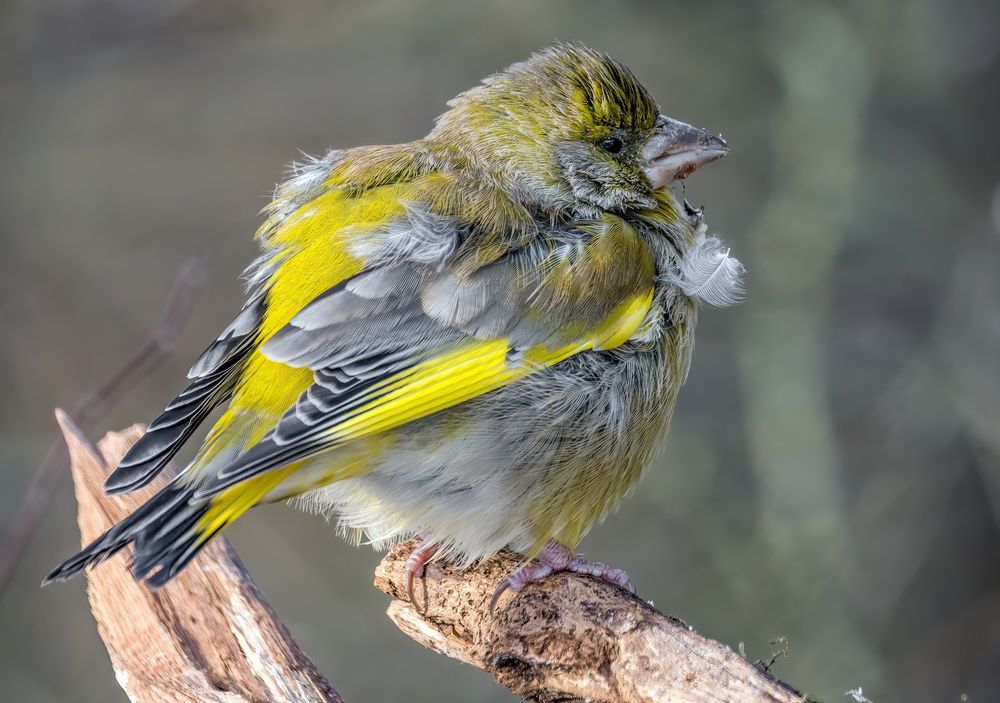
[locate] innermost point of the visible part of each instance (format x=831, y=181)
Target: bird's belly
x=544, y=458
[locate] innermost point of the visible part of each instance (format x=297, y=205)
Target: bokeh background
x=832, y=476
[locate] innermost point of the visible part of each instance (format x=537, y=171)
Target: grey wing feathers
x=214, y=375
x=233, y=342
x=405, y=308
x=353, y=341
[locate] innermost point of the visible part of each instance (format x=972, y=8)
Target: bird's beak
x=676, y=149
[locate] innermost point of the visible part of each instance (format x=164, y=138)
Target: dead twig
x=208, y=636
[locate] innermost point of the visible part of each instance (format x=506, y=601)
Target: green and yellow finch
x=476, y=338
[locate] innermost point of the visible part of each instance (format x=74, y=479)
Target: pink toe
x=602, y=571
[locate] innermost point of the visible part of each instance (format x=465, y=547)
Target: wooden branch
x=208, y=636
x=569, y=638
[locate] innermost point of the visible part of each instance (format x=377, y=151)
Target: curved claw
x=409, y=589
x=519, y=578
x=415, y=567
x=501, y=589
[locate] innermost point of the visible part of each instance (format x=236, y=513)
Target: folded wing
x=212, y=378
x=407, y=338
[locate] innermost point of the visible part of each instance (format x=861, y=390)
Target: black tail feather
x=160, y=555
x=163, y=523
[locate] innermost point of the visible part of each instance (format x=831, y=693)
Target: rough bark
x=208, y=636
x=569, y=638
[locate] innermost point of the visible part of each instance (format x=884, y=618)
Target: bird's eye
x=612, y=145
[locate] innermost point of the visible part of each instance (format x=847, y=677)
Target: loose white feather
x=708, y=274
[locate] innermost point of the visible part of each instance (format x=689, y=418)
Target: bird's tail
x=170, y=505
x=170, y=528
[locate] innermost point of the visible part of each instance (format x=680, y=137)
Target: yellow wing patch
x=233, y=502
x=470, y=371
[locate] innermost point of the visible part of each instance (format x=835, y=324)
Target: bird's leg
x=555, y=557
x=415, y=566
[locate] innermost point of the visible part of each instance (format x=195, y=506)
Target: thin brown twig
x=91, y=408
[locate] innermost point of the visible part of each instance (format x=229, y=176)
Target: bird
x=475, y=339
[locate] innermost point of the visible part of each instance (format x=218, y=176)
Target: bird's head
x=571, y=128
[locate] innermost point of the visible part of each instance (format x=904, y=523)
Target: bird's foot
x=555, y=557
x=415, y=564
x=579, y=565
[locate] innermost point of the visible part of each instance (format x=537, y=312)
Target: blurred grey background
x=832, y=475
